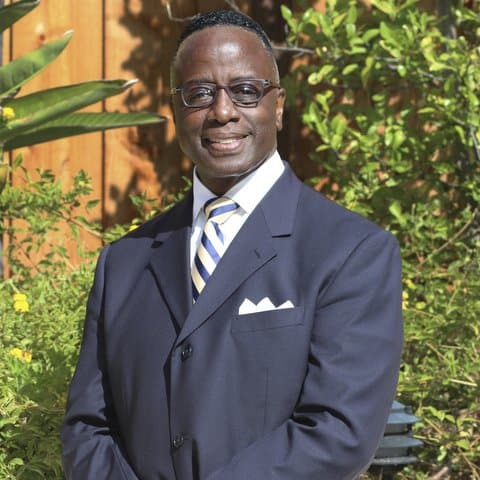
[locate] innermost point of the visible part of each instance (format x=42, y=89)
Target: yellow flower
x=405, y=299
x=8, y=113
x=409, y=284
x=132, y=228
x=20, y=302
x=21, y=354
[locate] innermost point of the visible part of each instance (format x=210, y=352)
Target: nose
x=223, y=110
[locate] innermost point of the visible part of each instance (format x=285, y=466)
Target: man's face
x=226, y=141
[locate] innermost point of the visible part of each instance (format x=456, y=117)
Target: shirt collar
x=248, y=192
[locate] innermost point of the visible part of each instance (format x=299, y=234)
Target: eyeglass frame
x=265, y=85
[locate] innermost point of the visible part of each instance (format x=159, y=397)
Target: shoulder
x=325, y=222
x=137, y=244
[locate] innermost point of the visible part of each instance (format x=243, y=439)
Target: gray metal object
x=395, y=449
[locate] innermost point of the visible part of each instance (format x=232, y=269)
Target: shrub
x=38, y=349
x=393, y=105
x=42, y=303
x=41, y=311
x=42, y=308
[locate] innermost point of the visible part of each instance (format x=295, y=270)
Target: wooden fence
x=129, y=39
x=117, y=39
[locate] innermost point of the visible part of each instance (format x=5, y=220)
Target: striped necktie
x=211, y=248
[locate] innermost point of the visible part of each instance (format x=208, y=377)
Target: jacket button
x=178, y=441
x=187, y=351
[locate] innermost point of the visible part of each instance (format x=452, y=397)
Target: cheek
x=188, y=127
x=269, y=120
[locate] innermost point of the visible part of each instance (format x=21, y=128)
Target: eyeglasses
x=244, y=93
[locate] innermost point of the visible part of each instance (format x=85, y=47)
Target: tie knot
x=220, y=209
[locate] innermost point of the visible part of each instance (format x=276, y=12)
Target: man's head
x=226, y=132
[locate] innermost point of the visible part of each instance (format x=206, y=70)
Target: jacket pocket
x=252, y=322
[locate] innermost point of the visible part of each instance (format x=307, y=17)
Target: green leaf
x=81, y=123
x=349, y=69
x=461, y=133
x=385, y=6
x=38, y=108
x=339, y=124
x=323, y=99
x=91, y=204
x=325, y=24
x=9, y=14
x=390, y=34
x=465, y=13
x=396, y=210
x=352, y=14
x=286, y=13
x=402, y=71
x=332, y=4
x=365, y=74
x=338, y=20
x=19, y=71
x=370, y=34
x=464, y=444
x=351, y=30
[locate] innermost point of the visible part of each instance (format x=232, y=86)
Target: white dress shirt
x=247, y=194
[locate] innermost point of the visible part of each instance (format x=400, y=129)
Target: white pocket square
x=263, y=305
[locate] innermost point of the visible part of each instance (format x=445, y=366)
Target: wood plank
x=140, y=41
x=82, y=60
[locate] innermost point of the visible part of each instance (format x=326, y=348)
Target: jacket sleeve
x=351, y=379
x=91, y=443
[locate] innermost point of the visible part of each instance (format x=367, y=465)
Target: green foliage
x=21, y=70
x=15, y=11
x=42, y=307
x=76, y=123
x=37, y=210
x=394, y=107
x=27, y=120
x=42, y=304
x=38, y=349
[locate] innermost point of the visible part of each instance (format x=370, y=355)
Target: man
x=263, y=347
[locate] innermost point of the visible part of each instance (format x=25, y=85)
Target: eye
x=198, y=94
x=245, y=91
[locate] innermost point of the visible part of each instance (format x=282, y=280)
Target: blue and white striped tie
x=211, y=248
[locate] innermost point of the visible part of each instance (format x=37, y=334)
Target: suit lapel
x=251, y=249
x=246, y=254
x=170, y=261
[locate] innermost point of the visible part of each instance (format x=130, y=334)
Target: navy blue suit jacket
x=169, y=390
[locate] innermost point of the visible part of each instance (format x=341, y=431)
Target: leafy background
x=392, y=105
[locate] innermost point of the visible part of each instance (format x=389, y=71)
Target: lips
x=224, y=144
x=223, y=140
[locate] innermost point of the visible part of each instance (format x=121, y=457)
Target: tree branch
x=454, y=237
x=475, y=143
x=441, y=474
x=172, y=17
x=293, y=49
x=232, y=4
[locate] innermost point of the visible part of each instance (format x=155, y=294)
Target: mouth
x=224, y=144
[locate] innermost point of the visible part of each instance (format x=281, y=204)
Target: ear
x=280, y=102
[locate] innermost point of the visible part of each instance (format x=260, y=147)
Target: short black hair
x=224, y=17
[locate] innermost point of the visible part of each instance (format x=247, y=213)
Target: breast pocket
x=268, y=320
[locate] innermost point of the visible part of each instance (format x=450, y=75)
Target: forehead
x=222, y=53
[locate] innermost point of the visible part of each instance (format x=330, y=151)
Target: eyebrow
x=209, y=80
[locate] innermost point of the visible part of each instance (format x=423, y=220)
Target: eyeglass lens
x=245, y=92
